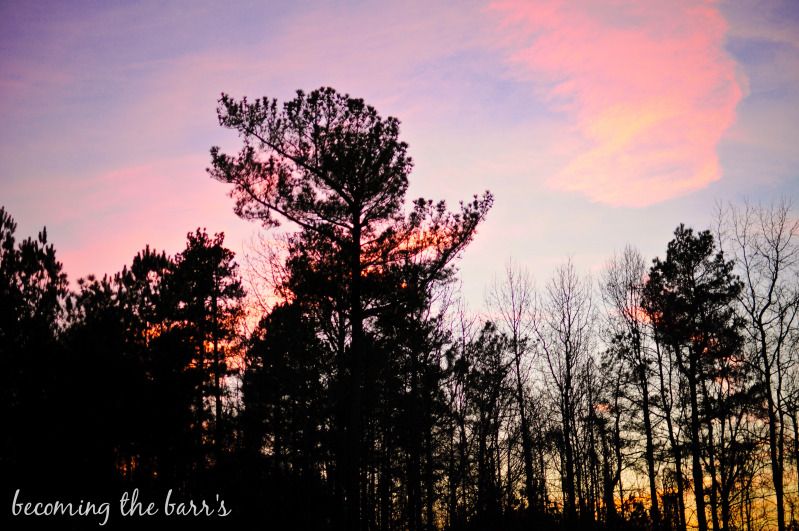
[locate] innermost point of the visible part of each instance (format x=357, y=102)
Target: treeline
x=122, y=382
x=367, y=397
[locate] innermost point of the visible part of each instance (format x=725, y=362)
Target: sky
x=595, y=124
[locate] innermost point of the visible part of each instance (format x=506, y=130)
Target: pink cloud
x=648, y=90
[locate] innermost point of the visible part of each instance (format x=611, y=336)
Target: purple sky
x=595, y=124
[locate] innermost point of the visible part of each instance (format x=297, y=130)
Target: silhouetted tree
x=512, y=299
x=206, y=294
x=689, y=297
x=487, y=390
x=763, y=242
x=33, y=293
x=622, y=291
x=333, y=166
x=286, y=416
x=563, y=325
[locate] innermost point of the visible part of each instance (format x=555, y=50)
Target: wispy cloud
x=649, y=91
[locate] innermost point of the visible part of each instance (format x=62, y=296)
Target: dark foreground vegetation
x=366, y=397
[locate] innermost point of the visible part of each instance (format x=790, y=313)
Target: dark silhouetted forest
x=349, y=387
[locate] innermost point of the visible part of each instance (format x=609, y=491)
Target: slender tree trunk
x=542, y=473
x=714, y=482
x=199, y=453
x=217, y=385
x=385, y=483
x=678, y=465
x=452, y=482
x=712, y=458
x=497, y=478
x=608, y=485
x=777, y=462
x=371, y=502
x=463, y=447
x=569, y=487
x=726, y=479
x=527, y=446
x=674, y=443
x=482, y=472
x=726, y=513
x=749, y=509
x=429, y=480
x=795, y=422
x=509, y=478
x=650, y=450
x=617, y=446
x=415, y=472
x=354, y=451
x=341, y=432
x=696, y=450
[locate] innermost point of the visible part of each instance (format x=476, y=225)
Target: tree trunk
x=608, y=485
x=217, y=385
x=650, y=450
x=696, y=450
x=795, y=422
x=617, y=446
x=776, y=460
x=482, y=473
x=674, y=443
x=714, y=482
x=353, y=492
x=463, y=449
x=452, y=483
x=414, y=466
x=569, y=508
x=385, y=483
x=527, y=446
x=429, y=479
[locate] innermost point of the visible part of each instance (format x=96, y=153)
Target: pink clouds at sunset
x=565, y=111
x=648, y=90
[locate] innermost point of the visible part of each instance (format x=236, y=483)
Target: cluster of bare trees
x=662, y=395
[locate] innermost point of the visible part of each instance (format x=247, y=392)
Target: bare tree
x=764, y=242
x=563, y=323
x=622, y=292
x=459, y=492
x=511, y=300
